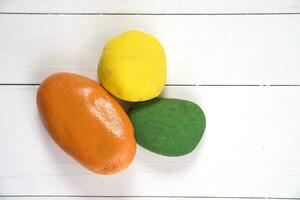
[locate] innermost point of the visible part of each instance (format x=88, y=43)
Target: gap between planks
x=104, y=13
x=173, y=197
x=187, y=85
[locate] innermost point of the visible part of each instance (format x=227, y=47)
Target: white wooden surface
x=151, y=6
x=233, y=54
x=200, y=49
x=250, y=148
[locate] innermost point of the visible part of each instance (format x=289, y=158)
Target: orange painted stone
x=86, y=122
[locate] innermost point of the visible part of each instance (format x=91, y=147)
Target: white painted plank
x=151, y=6
x=250, y=148
x=200, y=49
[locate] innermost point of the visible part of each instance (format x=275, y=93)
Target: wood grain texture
x=200, y=49
x=250, y=148
x=151, y=6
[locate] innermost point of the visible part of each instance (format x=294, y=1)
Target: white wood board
x=200, y=49
x=151, y=6
x=251, y=148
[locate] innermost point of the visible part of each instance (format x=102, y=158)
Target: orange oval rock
x=86, y=122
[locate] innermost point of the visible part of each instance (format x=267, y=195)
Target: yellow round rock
x=133, y=66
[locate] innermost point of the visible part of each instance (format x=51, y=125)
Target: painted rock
x=86, y=122
x=133, y=66
x=169, y=127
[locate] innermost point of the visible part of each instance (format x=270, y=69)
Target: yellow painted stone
x=133, y=66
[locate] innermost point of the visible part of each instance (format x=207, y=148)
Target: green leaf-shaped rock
x=170, y=127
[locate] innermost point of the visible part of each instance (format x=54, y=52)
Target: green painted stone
x=170, y=127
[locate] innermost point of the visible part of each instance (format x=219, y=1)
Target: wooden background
x=238, y=59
